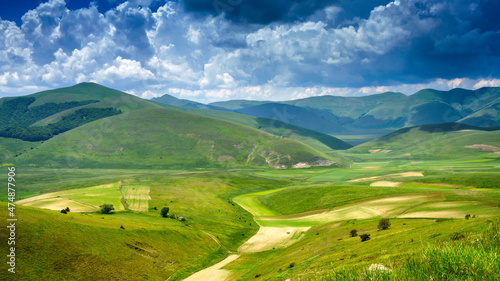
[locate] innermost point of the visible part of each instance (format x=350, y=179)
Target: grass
x=209, y=202
x=169, y=139
x=322, y=142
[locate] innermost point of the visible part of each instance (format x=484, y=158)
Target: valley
x=251, y=197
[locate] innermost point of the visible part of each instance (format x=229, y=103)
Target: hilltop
x=89, y=125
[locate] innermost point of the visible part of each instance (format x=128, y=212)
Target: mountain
x=237, y=104
x=448, y=140
x=386, y=111
x=488, y=116
x=322, y=142
x=171, y=100
x=347, y=109
x=163, y=138
x=317, y=120
x=138, y=133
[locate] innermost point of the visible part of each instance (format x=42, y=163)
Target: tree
x=364, y=237
x=164, y=212
x=65, y=211
x=384, y=224
x=353, y=233
x=106, y=208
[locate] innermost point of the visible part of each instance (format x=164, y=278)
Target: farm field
x=275, y=224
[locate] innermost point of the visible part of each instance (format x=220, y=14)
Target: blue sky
x=240, y=49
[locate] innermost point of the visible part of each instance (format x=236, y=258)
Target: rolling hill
x=322, y=142
x=143, y=134
x=448, y=140
x=378, y=113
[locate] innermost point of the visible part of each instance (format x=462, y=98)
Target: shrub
x=467, y=216
x=364, y=237
x=457, y=236
x=106, y=208
x=65, y=211
x=164, y=212
x=353, y=233
x=384, y=224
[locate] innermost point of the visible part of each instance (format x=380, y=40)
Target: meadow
x=269, y=224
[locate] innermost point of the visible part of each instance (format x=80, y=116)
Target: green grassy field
x=301, y=220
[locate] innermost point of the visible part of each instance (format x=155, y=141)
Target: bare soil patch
x=386, y=183
x=269, y=238
x=214, y=273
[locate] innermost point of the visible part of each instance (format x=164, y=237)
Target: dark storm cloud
x=259, y=11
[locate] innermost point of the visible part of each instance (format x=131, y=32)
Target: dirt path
x=214, y=273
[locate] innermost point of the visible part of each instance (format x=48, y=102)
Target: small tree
x=364, y=237
x=65, y=211
x=384, y=224
x=164, y=212
x=106, y=208
x=353, y=233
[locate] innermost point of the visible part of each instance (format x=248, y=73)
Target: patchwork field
x=274, y=224
x=78, y=200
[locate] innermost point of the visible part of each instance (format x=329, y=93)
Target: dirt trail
x=214, y=273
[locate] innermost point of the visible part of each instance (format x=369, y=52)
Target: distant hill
x=382, y=111
x=448, y=140
x=163, y=138
x=171, y=100
x=488, y=116
x=322, y=142
x=317, y=120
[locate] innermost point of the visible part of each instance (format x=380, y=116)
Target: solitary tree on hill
x=106, y=208
x=164, y=212
x=384, y=224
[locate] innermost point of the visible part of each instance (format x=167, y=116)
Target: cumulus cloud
x=293, y=48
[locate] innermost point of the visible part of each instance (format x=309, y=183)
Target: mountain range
x=387, y=111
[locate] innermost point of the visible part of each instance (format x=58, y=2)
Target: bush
x=457, y=236
x=65, y=211
x=384, y=224
x=353, y=233
x=164, y=212
x=106, y=208
x=364, y=237
x=467, y=216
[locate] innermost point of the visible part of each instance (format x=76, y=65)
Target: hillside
x=171, y=100
x=350, y=115
x=448, y=140
x=163, y=138
x=317, y=120
x=488, y=116
x=40, y=116
x=322, y=142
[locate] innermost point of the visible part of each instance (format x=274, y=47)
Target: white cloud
x=122, y=70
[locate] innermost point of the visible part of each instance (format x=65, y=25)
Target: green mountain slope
x=171, y=100
x=347, y=108
x=488, y=116
x=107, y=97
x=379, y=112
x=449, y=140
x=237, y=104
x=163, y=138
x=317, y=120
x=322, y=142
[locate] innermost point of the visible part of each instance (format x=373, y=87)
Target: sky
x=214, y=50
